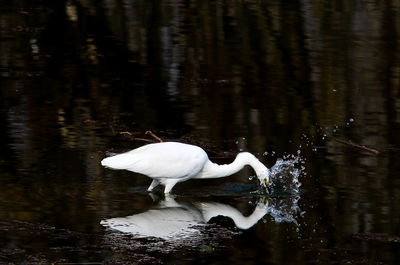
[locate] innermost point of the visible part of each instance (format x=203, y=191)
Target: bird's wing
x=167, y=160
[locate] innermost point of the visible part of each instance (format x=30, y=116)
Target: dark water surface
x=300, y=80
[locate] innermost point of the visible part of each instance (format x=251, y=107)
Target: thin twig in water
x=79, y=263
x=142, y=139
x=357, y=146
x=154, y=136
x=128, y=133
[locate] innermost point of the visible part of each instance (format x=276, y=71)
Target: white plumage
x=171, y=220
x=168, y=163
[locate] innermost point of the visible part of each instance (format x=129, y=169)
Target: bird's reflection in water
x=170, y=219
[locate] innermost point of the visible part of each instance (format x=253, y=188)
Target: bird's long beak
x=266, y=185
x=265, y=182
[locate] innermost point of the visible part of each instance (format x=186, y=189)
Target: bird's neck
x=213, y=170
x=210, y=210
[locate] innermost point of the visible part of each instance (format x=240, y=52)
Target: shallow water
x=310, y=87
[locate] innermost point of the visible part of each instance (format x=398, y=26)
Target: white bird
x=168, y=163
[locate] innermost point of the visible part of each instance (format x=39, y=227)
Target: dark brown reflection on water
x=283, y=75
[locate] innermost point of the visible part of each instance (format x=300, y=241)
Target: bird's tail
x=121, y=161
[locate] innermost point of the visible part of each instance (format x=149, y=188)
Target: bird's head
x=262, y=172
x=263, y=177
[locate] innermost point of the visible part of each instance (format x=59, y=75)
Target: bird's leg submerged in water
x=169, y=184
x=153, y=184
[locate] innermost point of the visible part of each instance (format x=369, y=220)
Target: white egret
x=168, y=163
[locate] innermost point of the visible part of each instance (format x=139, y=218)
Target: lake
x=311, y=88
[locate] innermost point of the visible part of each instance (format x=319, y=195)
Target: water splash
x=285, y=174
x=285, y=188
x=284, y=209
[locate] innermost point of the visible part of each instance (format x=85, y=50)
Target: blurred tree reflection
x=269, y=71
